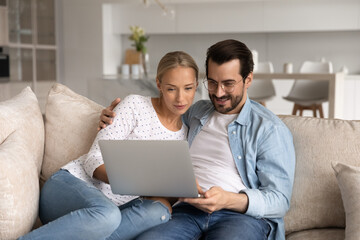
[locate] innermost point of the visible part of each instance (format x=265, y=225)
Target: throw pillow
x=71, y=122
x=21, y=154
x=348, y=178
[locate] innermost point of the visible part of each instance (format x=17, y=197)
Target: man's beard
x=234, y=102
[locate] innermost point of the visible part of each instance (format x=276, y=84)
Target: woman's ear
x=158, y=84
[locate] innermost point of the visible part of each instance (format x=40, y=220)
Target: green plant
x=139, y=38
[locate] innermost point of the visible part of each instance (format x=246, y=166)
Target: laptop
x=149, y=167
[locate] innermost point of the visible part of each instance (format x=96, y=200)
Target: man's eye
x=228, y=84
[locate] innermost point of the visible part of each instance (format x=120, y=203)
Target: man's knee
x=239, y=226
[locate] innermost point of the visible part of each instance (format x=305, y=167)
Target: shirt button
x=234, y=132
x=239, y=157
x=163, y=217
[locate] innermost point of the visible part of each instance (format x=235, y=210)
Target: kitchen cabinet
x=241, y=17
x=219, y=17
x=3, y=26
x=150, y=18
x=31, y=45
x=319, y=15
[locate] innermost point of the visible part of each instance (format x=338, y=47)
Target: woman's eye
x=171, y=89
x=189, y=88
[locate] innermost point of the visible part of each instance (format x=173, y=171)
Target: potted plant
x=140, y=38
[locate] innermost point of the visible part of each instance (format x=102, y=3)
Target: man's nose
x=219, y=90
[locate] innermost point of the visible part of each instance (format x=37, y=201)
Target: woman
x=71, y=205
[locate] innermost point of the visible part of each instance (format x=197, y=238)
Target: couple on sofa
x=243, y=158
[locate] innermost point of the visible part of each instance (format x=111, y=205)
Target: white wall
x=80, y=42
x=111, y=43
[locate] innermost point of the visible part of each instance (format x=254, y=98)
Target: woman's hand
x=100, y=174
x=107, y=114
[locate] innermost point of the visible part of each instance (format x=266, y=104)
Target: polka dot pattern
x=135, y=119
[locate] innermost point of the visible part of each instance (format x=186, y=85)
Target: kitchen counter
x=106, y=89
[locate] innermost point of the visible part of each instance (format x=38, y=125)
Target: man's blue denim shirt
x=263, y=151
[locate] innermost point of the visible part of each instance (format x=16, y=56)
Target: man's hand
x=217, y=198
x=212, y=200
x=107, y=114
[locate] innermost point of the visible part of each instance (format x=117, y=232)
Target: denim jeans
x=188, y=222
x=73, y=209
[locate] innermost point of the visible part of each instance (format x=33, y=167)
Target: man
x=243, y=158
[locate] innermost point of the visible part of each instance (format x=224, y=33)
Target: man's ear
x=249, y=80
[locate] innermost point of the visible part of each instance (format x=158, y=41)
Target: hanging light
x=166, y=11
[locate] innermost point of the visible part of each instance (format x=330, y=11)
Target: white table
x=336, y=87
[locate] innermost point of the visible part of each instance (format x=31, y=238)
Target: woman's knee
x=108, y=215
x=101, y=220
x=157, y=211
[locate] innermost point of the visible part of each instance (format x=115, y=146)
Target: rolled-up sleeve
x=275, y=167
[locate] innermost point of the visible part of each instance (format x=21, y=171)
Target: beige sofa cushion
x=71, y=121
x=21, y=153
x=316, y=200
x=318, y=234
x=349, y=182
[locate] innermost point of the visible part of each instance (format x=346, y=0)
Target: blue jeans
x=188, y=222
x=73, y=209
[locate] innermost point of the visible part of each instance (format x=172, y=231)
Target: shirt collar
x=206, y=115
x=244, y=116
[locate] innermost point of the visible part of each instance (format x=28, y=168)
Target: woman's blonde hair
x=174, y=59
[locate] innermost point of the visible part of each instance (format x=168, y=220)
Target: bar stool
x=262, y=90
x=310, y=94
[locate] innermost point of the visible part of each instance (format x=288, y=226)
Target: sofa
x=32, y=147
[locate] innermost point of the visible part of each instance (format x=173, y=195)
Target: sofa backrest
x=71, y=121
x=316, y=199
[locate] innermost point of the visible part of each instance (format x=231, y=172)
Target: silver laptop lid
x=149, y=167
